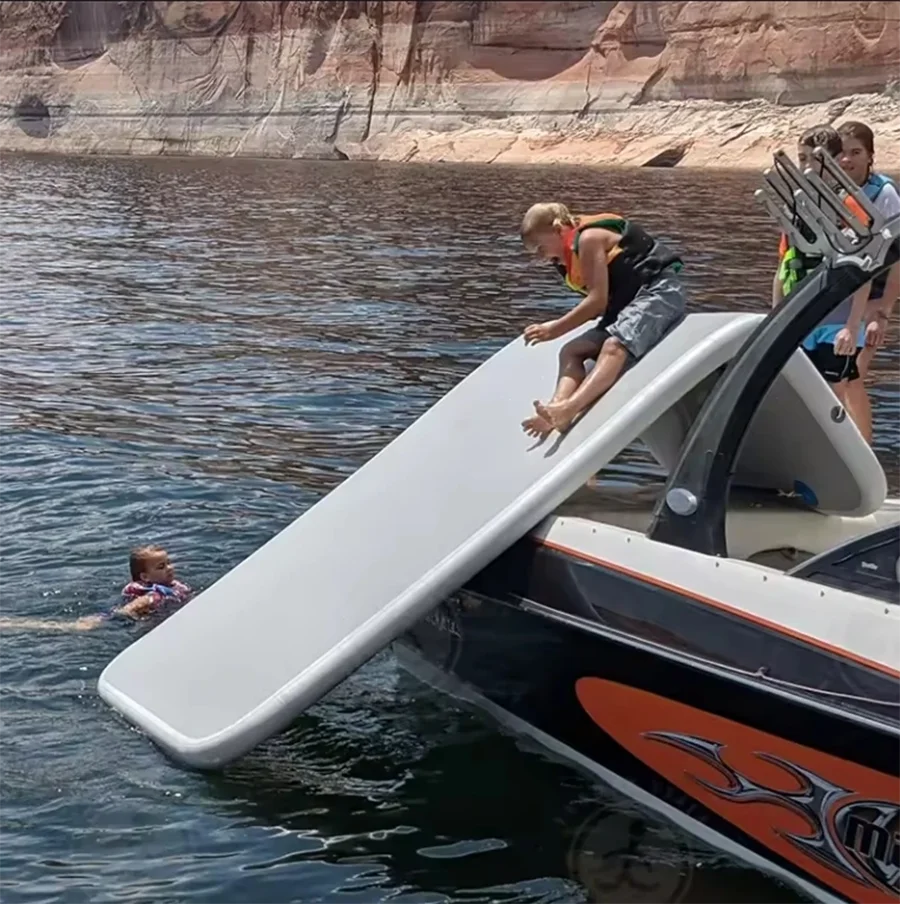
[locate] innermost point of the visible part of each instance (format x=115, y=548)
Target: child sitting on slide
x=630, y=288
x=153, y=584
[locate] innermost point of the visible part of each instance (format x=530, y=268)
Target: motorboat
x=723, y=647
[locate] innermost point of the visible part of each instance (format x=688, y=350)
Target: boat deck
x=775, y=530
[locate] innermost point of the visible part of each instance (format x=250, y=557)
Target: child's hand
x=844, y=343
x=875, y=332
x=541, y=332
x=139, y=606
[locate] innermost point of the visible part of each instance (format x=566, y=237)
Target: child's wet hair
x=861, y=132
x=544, y=216
x=823, y=137
x=137, y=560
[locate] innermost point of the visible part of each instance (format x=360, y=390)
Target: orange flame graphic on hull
x=835, y=820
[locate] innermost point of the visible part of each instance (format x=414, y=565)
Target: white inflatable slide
x=412, y=525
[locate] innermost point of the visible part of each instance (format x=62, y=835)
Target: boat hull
x=675, y=710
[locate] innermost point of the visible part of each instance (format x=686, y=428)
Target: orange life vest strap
x=571, y=239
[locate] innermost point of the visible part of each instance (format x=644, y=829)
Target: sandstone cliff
x=579, y=82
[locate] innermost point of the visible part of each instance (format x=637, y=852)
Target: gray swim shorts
x=644, y=321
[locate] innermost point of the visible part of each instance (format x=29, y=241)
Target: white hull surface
x=848, y=624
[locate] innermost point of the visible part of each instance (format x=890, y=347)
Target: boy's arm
x=777, y=293
x=880, y=317
x=86, y=623
x=593, y=250
x=858, y=307
x=138, y=606
x=888, y=203
x=891, y=291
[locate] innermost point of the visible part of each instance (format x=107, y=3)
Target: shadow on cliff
x=85, y=30
x=536, y=43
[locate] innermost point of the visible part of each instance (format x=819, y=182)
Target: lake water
x=192, y=353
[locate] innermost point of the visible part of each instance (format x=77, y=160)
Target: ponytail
x=544, y=216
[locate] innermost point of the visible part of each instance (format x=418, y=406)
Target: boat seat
x=799, y=440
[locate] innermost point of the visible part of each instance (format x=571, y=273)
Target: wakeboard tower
x=691, y=513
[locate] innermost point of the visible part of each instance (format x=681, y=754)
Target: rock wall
x=580, y=82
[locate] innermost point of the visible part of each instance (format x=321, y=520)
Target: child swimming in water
x=630, y=288
x=153, y=584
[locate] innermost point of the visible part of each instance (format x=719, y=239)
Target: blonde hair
x=541, y=217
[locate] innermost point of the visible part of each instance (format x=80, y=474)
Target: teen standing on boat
x=856, y=160
x=629, y=283
x=834, y=345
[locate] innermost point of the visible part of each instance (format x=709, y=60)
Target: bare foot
x=557, y=414
x=536, y=426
